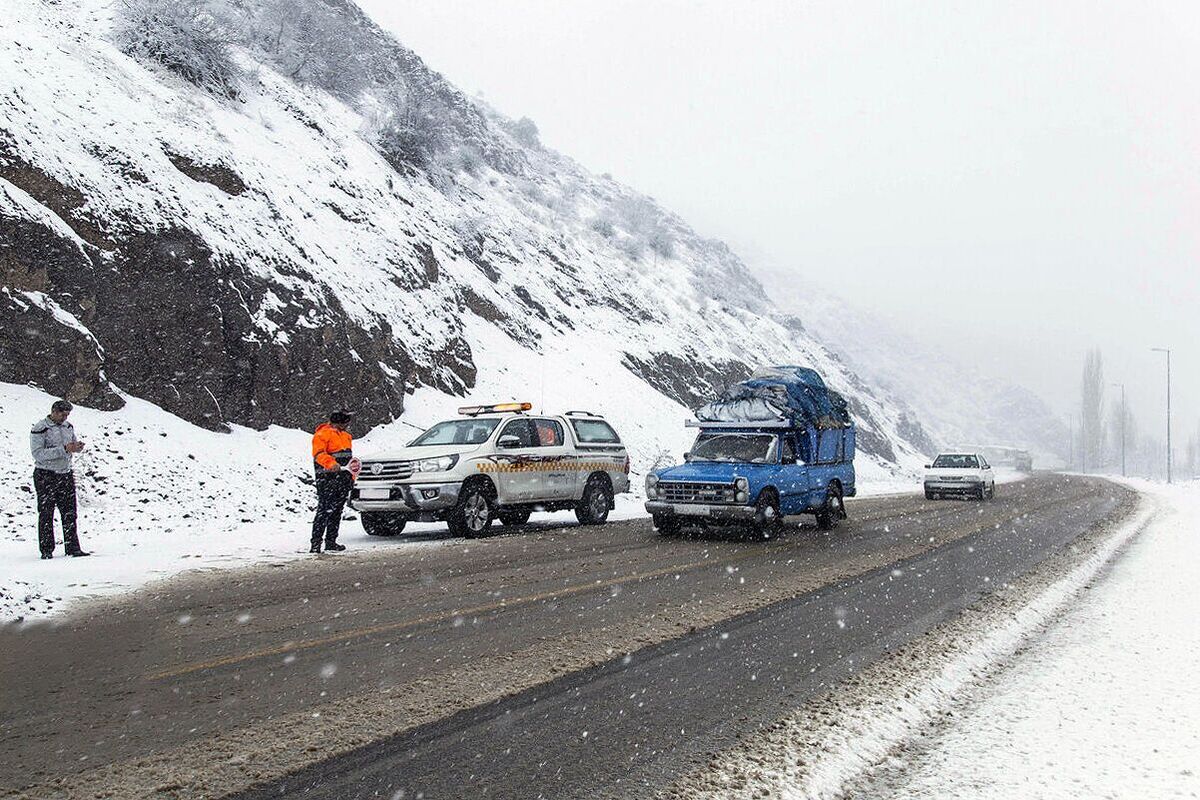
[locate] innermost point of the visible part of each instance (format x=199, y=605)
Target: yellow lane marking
x=354, y=633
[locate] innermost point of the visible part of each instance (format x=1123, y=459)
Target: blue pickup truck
x=776, y=445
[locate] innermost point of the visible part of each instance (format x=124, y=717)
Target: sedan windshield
x=457, y=431
x=957, y=462
x=753, y=448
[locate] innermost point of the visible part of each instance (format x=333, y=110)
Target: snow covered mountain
x=958, y=404
x=256, y=255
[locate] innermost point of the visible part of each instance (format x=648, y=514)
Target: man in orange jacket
x=331, y=460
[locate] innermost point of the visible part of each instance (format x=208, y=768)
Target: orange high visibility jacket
x=330, y=448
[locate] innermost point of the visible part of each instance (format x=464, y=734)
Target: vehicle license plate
x=374, y=494
x=692, y=510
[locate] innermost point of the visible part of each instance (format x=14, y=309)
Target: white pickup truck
x=494, y=462
x=963, y=474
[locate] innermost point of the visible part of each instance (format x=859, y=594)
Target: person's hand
x=73, y=447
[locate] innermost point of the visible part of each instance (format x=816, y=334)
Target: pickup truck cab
x=753, y=475
x=494, y=462
x=962, y=474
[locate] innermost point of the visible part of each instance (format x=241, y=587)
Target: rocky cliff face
x=258, y=260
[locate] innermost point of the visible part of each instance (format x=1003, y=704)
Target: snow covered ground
x=1104, y=704
x=1076, y=680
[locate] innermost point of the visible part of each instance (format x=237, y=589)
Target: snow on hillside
x=247, y=264
x=325, y=237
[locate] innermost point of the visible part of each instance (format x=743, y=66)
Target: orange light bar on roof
x=496, y=408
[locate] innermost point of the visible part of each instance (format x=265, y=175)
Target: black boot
x=316, y=548
x=334, y=546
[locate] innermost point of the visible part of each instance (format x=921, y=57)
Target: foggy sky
x=1014, y=182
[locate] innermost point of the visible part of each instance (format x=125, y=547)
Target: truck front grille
x=385, y=471
x=696, y=492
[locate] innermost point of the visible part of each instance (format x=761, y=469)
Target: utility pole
x=1124, y=417
x=1167, y=350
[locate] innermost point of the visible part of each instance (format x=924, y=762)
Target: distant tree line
x=1100, y=437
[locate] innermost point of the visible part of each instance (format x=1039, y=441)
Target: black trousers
x=332, y=490
x=55, y=490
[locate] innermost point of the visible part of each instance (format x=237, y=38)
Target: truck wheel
x=597, y=501
x=518, y=516
x=473, y=514
x=382, y=523
x=833, y=509
x=666, y=524
x=767, y=520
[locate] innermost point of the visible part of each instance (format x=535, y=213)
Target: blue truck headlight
x=742, y=497
x=439, y=464
x=742, y=484
x=651, y=486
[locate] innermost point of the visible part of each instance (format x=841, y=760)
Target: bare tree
x=306, y=40
x=410, y=128
x=526, y=132
x=1092, y=411
x=186, y=37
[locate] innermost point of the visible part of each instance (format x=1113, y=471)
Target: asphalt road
x=721, y=637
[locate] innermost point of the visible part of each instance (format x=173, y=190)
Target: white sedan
x=963, y=474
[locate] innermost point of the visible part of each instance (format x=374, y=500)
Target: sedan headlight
x=651, y=486
x=439, y=464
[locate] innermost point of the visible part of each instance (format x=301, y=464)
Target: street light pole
x=1124, y=417
x=1167, y=350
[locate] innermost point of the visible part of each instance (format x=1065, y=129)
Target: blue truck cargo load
x=777, y=444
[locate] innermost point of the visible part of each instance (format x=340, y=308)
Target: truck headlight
x=742, y=497
x=439, y=464
x=742, y=484
x=651, y=486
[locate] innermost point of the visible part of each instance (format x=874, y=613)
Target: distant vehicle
x=496, y=462
x=1004, y=456
x=962, y=474
x=755, y=470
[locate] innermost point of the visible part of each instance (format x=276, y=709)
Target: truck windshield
x=457, y=431
x=753, y=448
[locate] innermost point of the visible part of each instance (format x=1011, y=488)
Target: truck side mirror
x=508, y=442
x=929, y=466
x=687, y=456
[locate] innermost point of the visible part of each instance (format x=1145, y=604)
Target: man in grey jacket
x=53, y=443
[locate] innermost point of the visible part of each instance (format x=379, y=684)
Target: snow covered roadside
x=833, y=745
x=159, y=496
x=1104, y=704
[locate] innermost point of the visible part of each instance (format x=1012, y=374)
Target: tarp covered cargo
x=796, y=394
